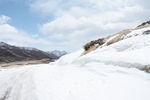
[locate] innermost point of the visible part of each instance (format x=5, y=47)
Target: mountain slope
x=58, y=53
x=127, y=49
x=113, y=38
x=10, y=53
x=110, y=72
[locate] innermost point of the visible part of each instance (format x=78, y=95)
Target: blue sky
x=23, y=17
x=67, y=24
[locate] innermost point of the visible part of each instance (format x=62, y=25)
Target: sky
x=67, y=24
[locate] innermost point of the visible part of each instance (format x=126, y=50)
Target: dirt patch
x=93, y=45
x=20, y=63
x=119, y=36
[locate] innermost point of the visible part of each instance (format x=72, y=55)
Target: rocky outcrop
x=146, y=68
x=105, y=41
x=144, y=23
x=146, y=32
x=93, y=45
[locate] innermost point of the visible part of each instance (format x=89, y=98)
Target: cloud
x=14, y=36
x=79, y=21
x=4, y=19
x=56, y=6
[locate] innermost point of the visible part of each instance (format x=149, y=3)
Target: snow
x=29, y=48
x=108, y=73
x=136, y=32
x=58, y=53
x=4, y=44
x=132, y=52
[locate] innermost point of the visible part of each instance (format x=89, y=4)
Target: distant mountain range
x=58, y=53
x=9, y=53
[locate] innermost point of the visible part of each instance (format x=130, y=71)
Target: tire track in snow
x=18, y=80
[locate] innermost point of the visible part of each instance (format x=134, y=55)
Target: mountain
x=110, y=68
x=9, y=53
x=58, y=53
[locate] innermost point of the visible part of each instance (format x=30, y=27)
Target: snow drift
x=108, y=73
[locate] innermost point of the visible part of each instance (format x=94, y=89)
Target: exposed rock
x=94, y=43
x=143, y=25
x=146, y=32
x=105, y=41
x=146, y=68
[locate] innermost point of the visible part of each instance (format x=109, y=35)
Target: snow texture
x=108, y=73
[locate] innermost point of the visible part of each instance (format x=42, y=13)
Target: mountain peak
x=3, y=44
x=58, y=53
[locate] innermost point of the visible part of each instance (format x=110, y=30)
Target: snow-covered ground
x=108, y=73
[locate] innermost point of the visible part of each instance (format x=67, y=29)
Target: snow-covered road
x=16, y=83
x=94, y=81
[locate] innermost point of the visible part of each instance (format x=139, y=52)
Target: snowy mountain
x=58, y=53
x=9, y=53
x=112, y=68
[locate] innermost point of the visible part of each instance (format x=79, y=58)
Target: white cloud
x=56, y=6
x=4, y=19
x=14, y=36
x=79, y=21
